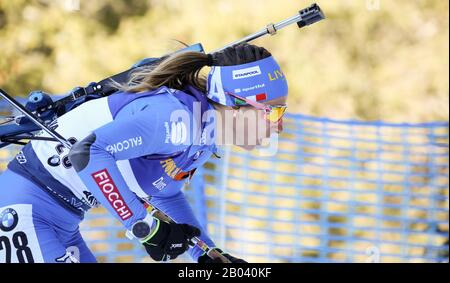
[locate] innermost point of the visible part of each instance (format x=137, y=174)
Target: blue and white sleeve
x=94, y=158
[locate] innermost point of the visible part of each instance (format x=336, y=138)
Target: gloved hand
x=169, y=240
x=206, y=259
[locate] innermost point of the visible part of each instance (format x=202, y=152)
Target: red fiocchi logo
x=111, y=193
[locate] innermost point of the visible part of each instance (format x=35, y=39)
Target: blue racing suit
x=128, y=147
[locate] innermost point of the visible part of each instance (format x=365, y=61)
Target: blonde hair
x=175, y=71
x=183, y=68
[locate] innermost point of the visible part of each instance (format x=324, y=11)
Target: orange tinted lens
x=276, y=113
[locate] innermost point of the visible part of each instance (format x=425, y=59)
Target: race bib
x=18, y=240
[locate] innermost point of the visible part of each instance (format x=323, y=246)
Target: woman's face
x=251, y=127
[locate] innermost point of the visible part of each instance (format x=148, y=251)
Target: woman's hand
x=206, y=259
x=169, y=240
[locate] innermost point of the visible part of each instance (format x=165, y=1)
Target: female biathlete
x=139, y=144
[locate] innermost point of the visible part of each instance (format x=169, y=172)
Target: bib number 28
x=18, y=244
x=18, y=239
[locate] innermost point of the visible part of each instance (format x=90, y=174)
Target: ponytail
x=181, y=69
x=176, y=71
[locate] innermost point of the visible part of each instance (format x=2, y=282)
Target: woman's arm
x=94, y=158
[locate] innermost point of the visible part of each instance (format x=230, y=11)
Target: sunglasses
x=273, y=113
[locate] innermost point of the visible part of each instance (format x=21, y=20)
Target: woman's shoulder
x=161, y=101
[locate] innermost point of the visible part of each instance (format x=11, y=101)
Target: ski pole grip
x=310, y=15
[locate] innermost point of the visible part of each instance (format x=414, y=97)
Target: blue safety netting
x=334, y=191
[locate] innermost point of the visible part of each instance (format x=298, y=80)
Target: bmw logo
x=8, y=219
